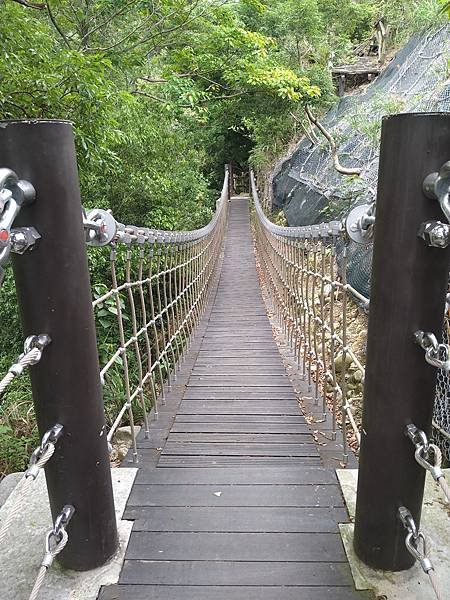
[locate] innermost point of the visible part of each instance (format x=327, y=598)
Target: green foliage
x=410, y=16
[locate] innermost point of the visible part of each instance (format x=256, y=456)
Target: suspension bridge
x=225, y=344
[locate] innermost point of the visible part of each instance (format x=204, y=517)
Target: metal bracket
x=100, y=227
x=360, y=222
x=436, y=186
x=14, y=194
x=40, y=342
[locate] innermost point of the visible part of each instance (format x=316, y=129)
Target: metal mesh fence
x=441, y=429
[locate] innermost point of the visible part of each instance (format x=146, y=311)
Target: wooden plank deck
x=232, y=500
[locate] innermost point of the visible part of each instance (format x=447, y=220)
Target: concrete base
x=412, y=584
x=23, y=549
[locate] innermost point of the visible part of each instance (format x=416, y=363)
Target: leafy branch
x=40, y=6
x=332, y=142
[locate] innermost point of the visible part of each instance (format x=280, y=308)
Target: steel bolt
x=23, y=238
x=435, y=234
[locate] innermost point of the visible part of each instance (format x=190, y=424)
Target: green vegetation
x=162, y=94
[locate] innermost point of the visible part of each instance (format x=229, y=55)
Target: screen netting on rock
x=310, y=190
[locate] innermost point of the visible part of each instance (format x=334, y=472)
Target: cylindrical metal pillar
x=408, y=290
x=54, y=295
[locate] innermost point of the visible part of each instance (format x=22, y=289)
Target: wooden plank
x=232, y=330
x=240, y=380
x=239, y=336
x=219, y=362
x=242, y=419
x=224, y=320
x=241, y=519
x=248, y=476
x=180, y=592
x=238, y=429
x=218, y=573
x=238, y=344
x=273, y=547
x=255, y=449
x=230, y=392
x=223, y=314
x=240, y=461
x=251, y=370
x=241, y=438
x=232, y=495
x=237, y=407
x=255, y=353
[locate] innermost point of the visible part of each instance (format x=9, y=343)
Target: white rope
x=444, y=487
x=441, y=481
x=49, y=556
x=25, y=360
x=21, y=491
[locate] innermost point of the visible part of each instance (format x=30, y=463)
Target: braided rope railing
x=159, y=287
x=310, y=296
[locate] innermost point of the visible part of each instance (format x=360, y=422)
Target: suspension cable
x=32, y=354
x=55, y=541
x=416, y=544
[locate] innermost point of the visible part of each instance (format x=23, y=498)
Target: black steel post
x=54, y=295
x=408, y=289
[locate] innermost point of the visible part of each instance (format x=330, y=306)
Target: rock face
x=122, y=442
x=339, y=362
x=307, y=186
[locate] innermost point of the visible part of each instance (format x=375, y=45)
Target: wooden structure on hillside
x=369, y=59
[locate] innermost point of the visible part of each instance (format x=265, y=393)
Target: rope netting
x=158, y=287
x=311, y=300
x=310, y=190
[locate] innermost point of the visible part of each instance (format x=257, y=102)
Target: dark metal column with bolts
x=408, y=291
x=54, y=295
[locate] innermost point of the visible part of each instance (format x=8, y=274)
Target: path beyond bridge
x=232, y=500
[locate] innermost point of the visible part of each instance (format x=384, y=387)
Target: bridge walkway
x=232, y=500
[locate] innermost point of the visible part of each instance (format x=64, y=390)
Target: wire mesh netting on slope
x=308, y=187
x=310, y=190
